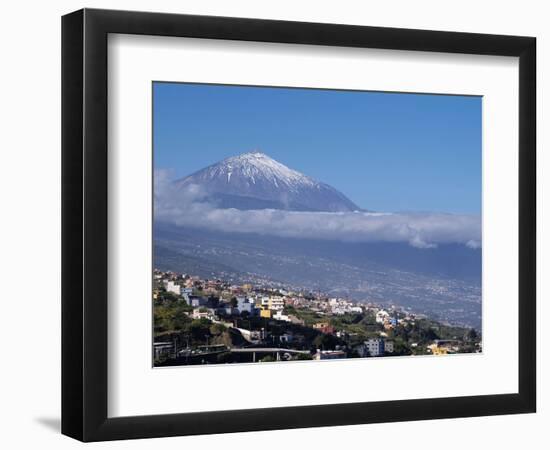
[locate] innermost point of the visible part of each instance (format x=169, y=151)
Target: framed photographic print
x=273, y=224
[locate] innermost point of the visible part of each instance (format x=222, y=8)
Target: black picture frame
x=84, y=224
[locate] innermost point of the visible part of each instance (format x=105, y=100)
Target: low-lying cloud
x=189, y=207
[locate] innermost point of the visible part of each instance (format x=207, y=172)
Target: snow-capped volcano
x=255, y=181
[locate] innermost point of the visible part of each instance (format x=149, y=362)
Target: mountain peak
x=252, y=157
x=254, y=154
x=253, y=180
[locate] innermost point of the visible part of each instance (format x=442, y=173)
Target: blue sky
x=385, y=151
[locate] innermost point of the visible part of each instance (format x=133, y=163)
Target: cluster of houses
x=332, y=306
x=270, y=304
x=270, y=307
x=243, y=301
x=254, y=304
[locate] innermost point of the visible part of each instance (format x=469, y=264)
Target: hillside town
x=211, y=321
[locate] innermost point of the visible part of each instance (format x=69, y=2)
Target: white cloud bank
x=188, y=207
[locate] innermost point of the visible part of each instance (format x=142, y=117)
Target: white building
x=245, y=305
x=273, y=303
x=203, y=313
x=172, y=287
x=339, y=311
x=280, y=316
x=374, y=347
x=382, y=316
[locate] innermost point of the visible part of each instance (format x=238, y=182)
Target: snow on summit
x=253, y=180
x=258, y=165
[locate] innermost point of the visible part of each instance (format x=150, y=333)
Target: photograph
x=295, y=224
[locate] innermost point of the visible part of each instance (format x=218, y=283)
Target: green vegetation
x=307, y=315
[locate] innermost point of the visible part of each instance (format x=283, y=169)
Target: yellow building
x=437, y=350
x=264, y=312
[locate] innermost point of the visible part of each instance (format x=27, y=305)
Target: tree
x=199, y=330
x=217, y=329
x=429, y=335
x=214, y=301
x=326, y=342
x=179, y=319
x=470, y=335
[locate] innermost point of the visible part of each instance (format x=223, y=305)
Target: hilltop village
x=200, y=321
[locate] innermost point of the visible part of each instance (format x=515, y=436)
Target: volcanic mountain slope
x=256, y=181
